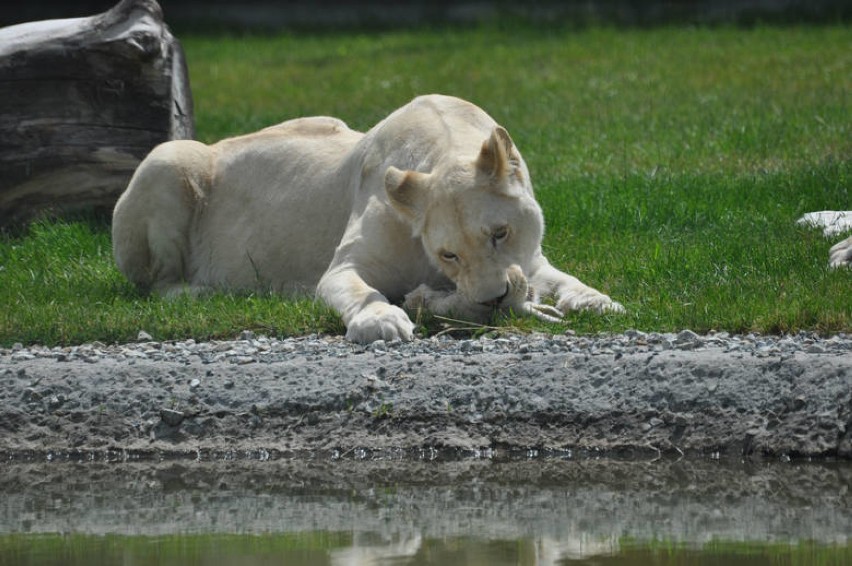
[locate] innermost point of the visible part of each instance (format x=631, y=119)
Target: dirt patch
x=410, y=400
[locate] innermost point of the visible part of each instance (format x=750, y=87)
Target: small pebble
x=171, y=417
x=251, y=348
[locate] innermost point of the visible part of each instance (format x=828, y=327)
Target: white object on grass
x=833, y=222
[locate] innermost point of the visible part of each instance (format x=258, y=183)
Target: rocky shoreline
x=631, y=394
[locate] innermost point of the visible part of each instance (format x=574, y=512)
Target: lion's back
x=278, y=206
x=312, y=126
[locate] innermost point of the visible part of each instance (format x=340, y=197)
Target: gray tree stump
x=82, y=101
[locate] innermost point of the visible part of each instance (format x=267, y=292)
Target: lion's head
x=476, y=218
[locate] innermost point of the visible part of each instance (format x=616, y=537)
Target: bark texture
x=84, y=100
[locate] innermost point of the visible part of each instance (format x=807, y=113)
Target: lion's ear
x=406, y=190
x=498, y=158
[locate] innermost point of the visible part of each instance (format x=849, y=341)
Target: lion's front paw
x=542, y=312
x=589, y=300
x=380, y=321
x=518, y=292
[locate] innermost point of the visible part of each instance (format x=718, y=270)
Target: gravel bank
x=258, y=397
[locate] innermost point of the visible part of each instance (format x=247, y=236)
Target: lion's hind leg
x=152, y=221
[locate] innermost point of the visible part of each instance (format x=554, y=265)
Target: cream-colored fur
x=833, y=223
x=840, y=254
x=432, y=208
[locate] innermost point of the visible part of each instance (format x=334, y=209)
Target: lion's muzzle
x=495, y=302
x=515, y=293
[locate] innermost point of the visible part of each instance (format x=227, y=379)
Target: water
x=530, y=512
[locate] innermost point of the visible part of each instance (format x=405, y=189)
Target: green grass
x=671, y=165
x=65, y=289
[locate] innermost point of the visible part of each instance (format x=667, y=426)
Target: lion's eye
x=449, y=256
x=499, y=235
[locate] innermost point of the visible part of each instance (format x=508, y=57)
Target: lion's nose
x=495, y=302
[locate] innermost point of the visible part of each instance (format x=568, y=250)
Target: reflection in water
x=550, y=551
x=537, y=512
x=330, y=549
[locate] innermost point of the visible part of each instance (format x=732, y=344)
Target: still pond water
x=471, y=512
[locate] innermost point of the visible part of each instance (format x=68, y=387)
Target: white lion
x=833, y=223
x=431, y=208
x=840, y=254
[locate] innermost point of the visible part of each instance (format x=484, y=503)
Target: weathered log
x=82, y=101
